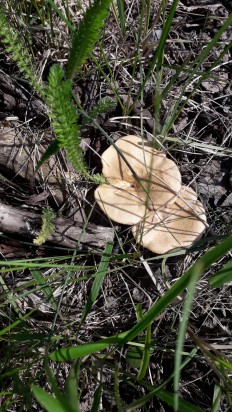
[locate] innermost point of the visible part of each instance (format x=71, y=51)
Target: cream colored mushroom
x=121, y=202
x=179, y=224
x=151, y=181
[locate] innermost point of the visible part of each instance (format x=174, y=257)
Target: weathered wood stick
x=25, y=223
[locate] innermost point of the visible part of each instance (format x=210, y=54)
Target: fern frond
x=64, y=117
x=15, y=45
x=48, y=227
x=87, y=35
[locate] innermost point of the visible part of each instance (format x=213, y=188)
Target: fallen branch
x=24, y=223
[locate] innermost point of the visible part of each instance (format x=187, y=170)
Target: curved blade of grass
x=122, y=19
x=87, y=35
x=199, y=59
x=97, y=399
x=184, y=406
x=116, y=388
x=164, y=396
x=101, y=272
x=47, y=401
x=216, y=398
x=224, y=275
x=198, y=268
x=181, y=334
x=178, y=107
x=45, y=288
x=135, y=352
x=120, y=16
x=50, y=151
x=71, y=388
x=52, y=380
x=16, y=323
x=223, y=363
x=146, y=354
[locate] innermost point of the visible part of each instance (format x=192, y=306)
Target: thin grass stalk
x=148, y=15
x=116, y=388
x=100, y=275
x=97, y=399
x=159, y=49
x=122, y=16
x=113, y=87
x=68, y=23
x=182, y=331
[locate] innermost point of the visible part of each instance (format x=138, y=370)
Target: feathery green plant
x=15, y=45
x=103, y=106
x=48, y=226
x=87, y=35
x=58, y=93
x=64, y=117
x=65, y=121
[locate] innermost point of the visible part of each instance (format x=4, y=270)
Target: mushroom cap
x=156, y=178
x=121, y=202
x=177, y=225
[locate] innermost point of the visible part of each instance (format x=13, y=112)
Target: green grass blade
x=52, y=380
x=97, y=399
x=223, y=363
x=164, y=396
x=122, y=19
x=146, y=354
x=157, y=58
x=23, y=389
x=199, y=267
x=28, y=337
x=61, y=15
x=71, y=388
x=88, y=34
x=224, y=275
x=216, y=398
x=116, y=388
x=181, y=335
x=45, y=288
x=206, y=50
x=16, y=323
x=101, y=272
x=169, y=398
x=75, y=352
x=135, y=354
x=50, y=151
x=47, y=401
